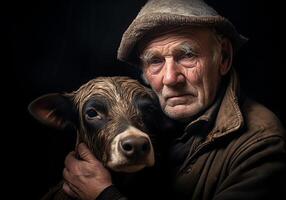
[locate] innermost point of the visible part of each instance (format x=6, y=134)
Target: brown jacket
x=243, y=155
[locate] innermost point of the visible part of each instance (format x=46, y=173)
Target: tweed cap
x=163, y=14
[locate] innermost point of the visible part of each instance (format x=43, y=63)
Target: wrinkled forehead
x=194, y=34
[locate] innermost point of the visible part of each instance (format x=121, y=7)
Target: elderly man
x=231, y=147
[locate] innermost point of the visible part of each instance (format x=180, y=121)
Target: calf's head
x=112, y=115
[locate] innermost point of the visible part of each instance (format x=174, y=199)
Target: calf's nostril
x=135, y=146
x=127, y=146
x=145, y=146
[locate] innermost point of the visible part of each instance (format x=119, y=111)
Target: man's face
x=184, y=68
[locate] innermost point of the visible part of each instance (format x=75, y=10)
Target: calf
x=116, y=117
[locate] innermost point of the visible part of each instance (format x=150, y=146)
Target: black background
x=57, y=45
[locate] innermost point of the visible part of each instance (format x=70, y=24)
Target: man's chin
x=179, y=112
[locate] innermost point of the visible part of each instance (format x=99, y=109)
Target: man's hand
x=86, y=178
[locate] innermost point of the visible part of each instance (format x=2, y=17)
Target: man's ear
x=226, y=56
x=56, y=110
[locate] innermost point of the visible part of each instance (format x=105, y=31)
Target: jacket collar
x=229, y=117
x=225, y=114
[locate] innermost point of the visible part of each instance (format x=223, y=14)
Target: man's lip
x=177, y=96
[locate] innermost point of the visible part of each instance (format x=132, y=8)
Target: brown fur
x=119, y=95
x=119, y=92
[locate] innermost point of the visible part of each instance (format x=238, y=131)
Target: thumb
x=85, y=153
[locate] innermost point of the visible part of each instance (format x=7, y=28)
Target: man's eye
x=187, y=55
x=155, y=61
x=187, y=59
x=154, y=65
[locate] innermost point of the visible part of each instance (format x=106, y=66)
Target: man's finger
x=85, y=153
x=71, y=162
x=67, y=189
x=66, y=175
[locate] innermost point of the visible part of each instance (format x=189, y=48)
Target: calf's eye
x=150, y=108
x=92, y=114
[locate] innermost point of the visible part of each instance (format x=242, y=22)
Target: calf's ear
x=56, y=110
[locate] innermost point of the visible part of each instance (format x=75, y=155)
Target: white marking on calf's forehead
x=131, y=130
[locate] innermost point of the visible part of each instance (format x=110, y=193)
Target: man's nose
x=173, y=73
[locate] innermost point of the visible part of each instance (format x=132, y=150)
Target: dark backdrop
x=56, y=45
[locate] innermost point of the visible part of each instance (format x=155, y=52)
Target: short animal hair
x=117, y=117
x=105, y=111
